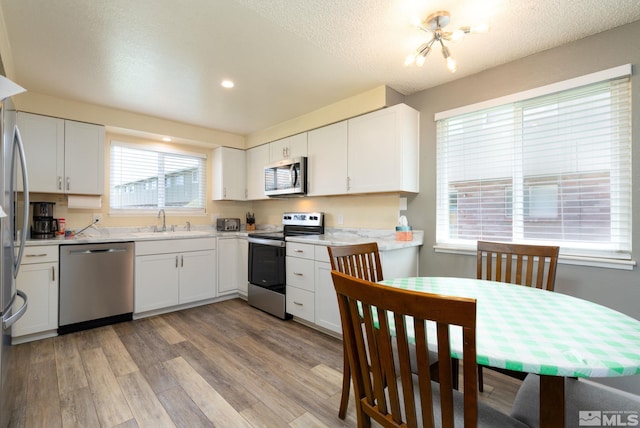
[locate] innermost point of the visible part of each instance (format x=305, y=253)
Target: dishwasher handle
x=99, y=250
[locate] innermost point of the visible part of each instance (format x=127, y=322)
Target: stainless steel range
x=267, y=256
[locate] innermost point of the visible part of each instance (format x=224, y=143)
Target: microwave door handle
x=293, y=174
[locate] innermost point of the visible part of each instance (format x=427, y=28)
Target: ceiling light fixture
x=227, y=84
x=434, y=25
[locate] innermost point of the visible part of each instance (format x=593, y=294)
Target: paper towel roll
x=84, y=202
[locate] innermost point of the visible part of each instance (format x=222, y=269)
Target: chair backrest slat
x=359, y=260
x=535, y=265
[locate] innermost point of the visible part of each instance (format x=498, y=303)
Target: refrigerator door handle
x=17, y=138
x=6, y=323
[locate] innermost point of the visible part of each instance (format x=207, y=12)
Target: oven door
x=267, y=264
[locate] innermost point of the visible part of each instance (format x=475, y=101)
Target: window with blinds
x=552, y=169
x=148, y=178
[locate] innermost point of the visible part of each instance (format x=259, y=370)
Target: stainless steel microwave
x=287, y=177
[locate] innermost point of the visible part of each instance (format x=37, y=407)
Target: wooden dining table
x=537, y=331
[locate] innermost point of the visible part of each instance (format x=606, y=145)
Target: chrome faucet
x=164, y=219
x=188, y=226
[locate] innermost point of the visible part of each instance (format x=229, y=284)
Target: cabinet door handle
x=181, y=261
x=298, y=273
x=297, y=303
x=176, y=262
x=36, y=255
x=59, y=183
x=68, y=183
x=298, y=251
x=53, y=274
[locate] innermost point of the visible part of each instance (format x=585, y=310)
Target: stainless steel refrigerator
x=13, y=233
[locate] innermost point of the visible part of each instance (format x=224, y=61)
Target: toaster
x=228, y=224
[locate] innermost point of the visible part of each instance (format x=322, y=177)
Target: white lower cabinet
x=300, y=294
x=310, y=292
x=156, y=282
x=197, y=276
x=233, y=255
x=38, y=278
x=327, y=312
x=174, y=272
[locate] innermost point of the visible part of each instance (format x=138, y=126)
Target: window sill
x=599, y=262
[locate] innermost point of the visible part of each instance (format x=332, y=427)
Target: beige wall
x=360, y=211
x=123, y=121
x=374, y=99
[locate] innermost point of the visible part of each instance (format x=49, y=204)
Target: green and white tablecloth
x=537, y=331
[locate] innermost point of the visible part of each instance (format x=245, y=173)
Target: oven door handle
x=270, y=242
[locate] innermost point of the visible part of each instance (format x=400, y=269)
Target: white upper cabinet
x=288, y=148
x=63, y=156
x=83, y=157
x=43, y=139
x=327, y=160
x=229, y=174
x=384, y=151
x=257, y=159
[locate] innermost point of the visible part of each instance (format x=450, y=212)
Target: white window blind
x=554, y=169
x=150, y=178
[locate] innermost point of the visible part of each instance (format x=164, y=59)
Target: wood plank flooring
x=220, y=365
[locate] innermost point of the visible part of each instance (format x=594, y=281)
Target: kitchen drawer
x=166, y=246
x=300, y=303
x=300, y=273
x=321, y=254
x=40, y=254
x=304, y=251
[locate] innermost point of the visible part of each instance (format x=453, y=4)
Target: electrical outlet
x=403, y=204
x=340, y=219
x=97, y=217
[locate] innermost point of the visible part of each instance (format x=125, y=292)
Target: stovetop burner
x=295, y=224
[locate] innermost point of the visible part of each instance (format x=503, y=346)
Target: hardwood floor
x=225, y=365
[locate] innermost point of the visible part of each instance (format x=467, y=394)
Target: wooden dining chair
x=528, y=265
x=375, y=318
x=361, y=261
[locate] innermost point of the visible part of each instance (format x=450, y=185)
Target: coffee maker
x=43, y=225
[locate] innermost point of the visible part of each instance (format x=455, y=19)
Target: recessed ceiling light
x=227, y=84
x=167, y=139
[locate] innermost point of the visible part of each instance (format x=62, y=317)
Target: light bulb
x=451, y=65
x=420, y=61
x=480, y=28
x=410, y=59
x=457, y=35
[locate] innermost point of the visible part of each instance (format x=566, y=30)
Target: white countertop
x=386, y=239
x=132, y=234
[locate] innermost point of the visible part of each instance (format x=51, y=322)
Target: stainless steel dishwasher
x=96, y=285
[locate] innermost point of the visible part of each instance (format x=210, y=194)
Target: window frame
x=451, y=244
x=161, y=149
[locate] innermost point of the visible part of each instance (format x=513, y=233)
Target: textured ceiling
x=166, y=58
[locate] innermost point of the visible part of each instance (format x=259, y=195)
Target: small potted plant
x=251, y=221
